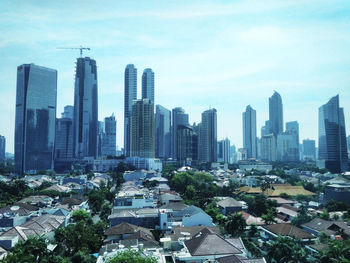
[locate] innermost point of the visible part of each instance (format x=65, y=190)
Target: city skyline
x=304, y=86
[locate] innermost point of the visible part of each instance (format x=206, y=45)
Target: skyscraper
x=142, y=129
x=148, y=84
x=64, y=135
x=268, y=148
x=249, y=132
x=179, y=117
x=275, y=114
x=130, y=94
x=85, y=122
x=223, y=151
x=332, y=148
x=208, y=137
x=162, y=132
x=2, y=148
x=35, y=118
x=265, y=130
x=309, y=150
x=109, y=138
x=187, y=142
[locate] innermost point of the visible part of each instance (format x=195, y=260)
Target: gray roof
x=328, y=227
x=229, y=202
x=175, y=206
x=207, y=242
x=191, y=210
x=189, y=231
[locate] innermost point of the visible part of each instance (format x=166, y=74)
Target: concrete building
x=187, y=145
x=288, y=143
x=208, y=137
x=179, y=117
x=109, y=138
x=148, y=84
x=249, y=132
x=36, y=98
x=309, y=150
x=224, y=151
x=142, y=129
x=268, y=148
x=275, y=114
x=332, y=148
x=162, y=132
x=130, y=94
x=2, y=148
x=85, y=122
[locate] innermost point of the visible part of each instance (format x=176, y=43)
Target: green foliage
x=81, y=215
x=12, y=192
x=303, y=198
x=130, y=256
x=337, y=251
x=235, y=224
x=96, y=198
x=258, y=204
x=106, y=210
x=34, y=249
x=6, y=168
x=253, y=231
x=82, y=257
x=270, y=215
x=302, y=217
x=324, y=215
x=337, y=206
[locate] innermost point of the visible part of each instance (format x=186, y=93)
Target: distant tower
x=208, y=137
x=35, y=118
x=130, y=94
x=85, y=121
x=109, y=140
x=64, y=135
x=148, y=84
x=249, y=132
x=162, y=132
x=276, y=114
x=142, y=129
x=2, y=148
x=332, y=148
x=179, y=117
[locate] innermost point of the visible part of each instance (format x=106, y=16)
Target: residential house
x=330, y=228
x=270, y=232
x=229, y=205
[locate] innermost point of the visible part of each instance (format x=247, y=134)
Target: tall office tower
x=64, y=139
x=187, y=143
x=100, y=136
x=68, y=112
x=2, y=148
x=179, y=117
x=233, y=154
x=265, y=130
x=142, y=129
x=268, y=148
x=275, y=114
x=85, y=122
x=162, y=132
x=287, y=149
x=130, y=94
x=208, y=137
x=148, y=84
x=35, y=118
x=223, y=151
x=348, y=142
x=292, y=128
x=332, y=148
x=309, y=150
x=109, y=138
x=249, y=132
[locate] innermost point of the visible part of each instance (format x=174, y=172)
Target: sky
x=219, y=54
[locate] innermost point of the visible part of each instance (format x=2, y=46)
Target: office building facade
x=275, y=123
x=332, y=147
x=179, y=117
x=36, y=98
x=109, y=137
x=249, y=132
x=85, y=122
x=162, y=132
x=148, y=84
x=2, y=148
x=309, y=150
x=208, y=137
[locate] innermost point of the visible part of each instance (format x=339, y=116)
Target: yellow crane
x=81, y=48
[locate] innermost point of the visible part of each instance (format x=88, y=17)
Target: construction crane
x=81, y=49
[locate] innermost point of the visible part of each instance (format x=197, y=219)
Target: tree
x=270, y=215
x=253, y=231
x=131, y=256
x=235, y=224
x=337, y=251
x=106, y=210
x=96, y=198
x=81, y=215
x=82, y=257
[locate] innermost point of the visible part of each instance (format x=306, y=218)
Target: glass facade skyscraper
x=179, y=117
x=109, y=138
x=162, y=132
x=130, y=94
x=36, y=98
x=148, y=84
x=2, y=148
x=275, y=114
x=85, y=121
x=208, y=137
x=332, y=148
x=249, y=132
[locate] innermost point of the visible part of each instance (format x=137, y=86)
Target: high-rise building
x=233, y=154
x=162, y=132
x=187, y=143
x=332, y=148
x=208, y=137
x=249, y=132
x=288, y=143
x=130, y=94
x=275, y=114
x=85, y=122
x=35, y=118
x=224, y=151
x=148, y=84
x=348, y=142
x=64, y=135
x=268, y=148
x=309, y=150
x=142, y=129
x=2, y=148
x=179, y=117
x=109, y=138
x=265, y=130
x=68, y=112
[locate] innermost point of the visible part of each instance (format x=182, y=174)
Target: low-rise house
x=37, y=200
x=282, y=201
x=15, y=215
x=59, y=188
x=250, y=219
x=287, y=212
x=168, y=196
x=285, y=229
x=182, y=233
x=330, y=228
x=192, y=216
x=128, y=231
x=229, y=205
x=146, y=217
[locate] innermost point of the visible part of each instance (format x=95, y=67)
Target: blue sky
x=221, y=54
